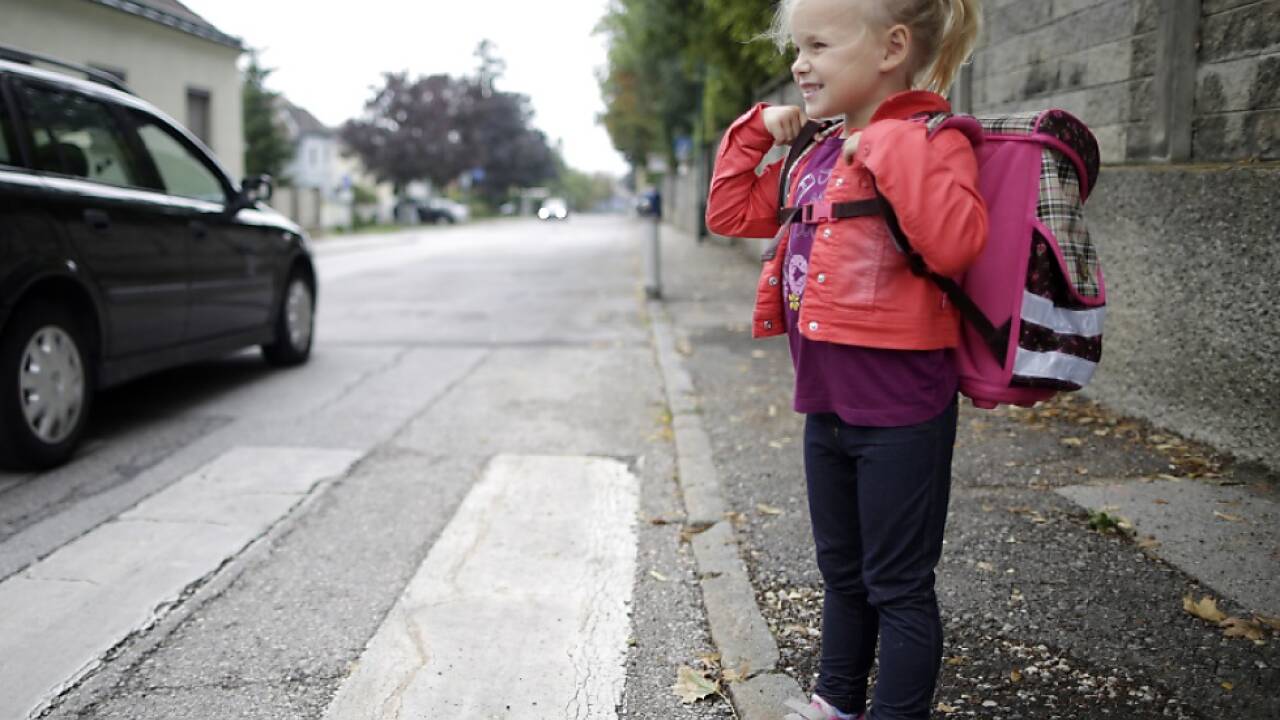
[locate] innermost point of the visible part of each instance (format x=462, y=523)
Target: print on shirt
x=798, y=265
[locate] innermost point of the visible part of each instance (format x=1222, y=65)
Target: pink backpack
x=1034, y=300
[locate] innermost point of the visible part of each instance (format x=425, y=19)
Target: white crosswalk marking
x=521, y=608
x=60, y=615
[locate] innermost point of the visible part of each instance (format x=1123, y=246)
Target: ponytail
x=945, y=33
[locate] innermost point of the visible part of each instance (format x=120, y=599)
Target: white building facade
x=166, y=54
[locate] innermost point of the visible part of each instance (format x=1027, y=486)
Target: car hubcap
x=51, y=384
x=298, y=315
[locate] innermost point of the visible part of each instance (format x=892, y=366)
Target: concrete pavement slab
x=1227, y=537
x=520, y=609
x=118, y=577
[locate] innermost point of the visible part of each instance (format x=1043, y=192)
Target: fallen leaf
x=957, y=660
x=1148, y=543
x=1273, y=623
x=658, y=576
x=1158, y=501
x=1015, y=675
x=945, y=708
x=1072, y=441
x=1228, y=686
x=1205, y=609
x=1228, y=518
x=737, y=674
x=659, y=520
x=735, y=517
x=1237, y=628
x=768, y=509
x=692, y=686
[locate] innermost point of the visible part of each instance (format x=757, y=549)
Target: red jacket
x=860, y=289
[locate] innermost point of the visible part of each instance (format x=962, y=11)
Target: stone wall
x=1237, y=99
x=1092, y=58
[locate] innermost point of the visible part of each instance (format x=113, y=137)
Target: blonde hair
x=944, y=34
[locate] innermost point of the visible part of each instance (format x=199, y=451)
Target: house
x=167, y=54
x=323, y=174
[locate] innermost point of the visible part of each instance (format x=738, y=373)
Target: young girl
x=871, y=342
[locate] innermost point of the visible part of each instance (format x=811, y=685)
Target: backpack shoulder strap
x=801, y=143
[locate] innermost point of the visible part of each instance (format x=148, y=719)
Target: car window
x=181, y=171
x=78, y=136
x=7, y=151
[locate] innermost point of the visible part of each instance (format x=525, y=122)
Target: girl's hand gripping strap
x=798, y=146
x=786, y=214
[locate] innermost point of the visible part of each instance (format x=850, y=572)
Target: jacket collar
x=908, y=103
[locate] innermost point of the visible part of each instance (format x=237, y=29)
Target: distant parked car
x=124, y=249
x=554, y=209
x=432, y=211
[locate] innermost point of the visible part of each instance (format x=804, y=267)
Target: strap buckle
x=815, y=212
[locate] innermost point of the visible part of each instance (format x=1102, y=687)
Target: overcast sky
x=327, y=55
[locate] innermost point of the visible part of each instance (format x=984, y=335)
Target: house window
x=198, y=121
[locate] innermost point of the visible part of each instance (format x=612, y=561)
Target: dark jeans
x=878, y=500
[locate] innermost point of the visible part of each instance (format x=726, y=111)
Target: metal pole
x=653, y=283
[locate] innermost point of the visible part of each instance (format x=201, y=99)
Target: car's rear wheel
x=46, y=386
x=295, y=323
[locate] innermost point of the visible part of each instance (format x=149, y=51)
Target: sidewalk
x=1051, y=611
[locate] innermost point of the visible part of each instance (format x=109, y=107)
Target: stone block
x=1241, y=32
x=1062, y=8
x=1017, y=19
x=1253, y=135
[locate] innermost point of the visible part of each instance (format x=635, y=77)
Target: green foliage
x=583, y=191
x=267, y=147
x=681, y=68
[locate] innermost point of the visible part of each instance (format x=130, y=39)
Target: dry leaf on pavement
x=768, y=509
x=658, y=576
x=1238, y=628
x=692, y=686
x=1227, y=517
x=1273, y=623
x=1205, y=609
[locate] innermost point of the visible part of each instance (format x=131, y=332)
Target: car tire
x=46, y=386
x=294, y=324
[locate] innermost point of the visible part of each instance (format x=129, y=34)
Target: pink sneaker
x=817, y=709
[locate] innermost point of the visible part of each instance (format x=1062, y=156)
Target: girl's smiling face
x=838, y=60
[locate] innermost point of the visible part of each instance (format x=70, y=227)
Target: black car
x=124, y=249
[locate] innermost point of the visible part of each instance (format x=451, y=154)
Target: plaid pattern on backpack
x=1038, y=280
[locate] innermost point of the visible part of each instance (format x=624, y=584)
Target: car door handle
x=199, y=229
x=97, y=219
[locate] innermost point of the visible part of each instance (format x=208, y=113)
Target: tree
x=440, y=127
x=680, y=68
x=267, y=147
x=498, y=133
x=411, y=130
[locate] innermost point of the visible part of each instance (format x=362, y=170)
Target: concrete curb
x=739, y=630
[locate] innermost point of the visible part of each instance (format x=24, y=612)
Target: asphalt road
x=481, y=427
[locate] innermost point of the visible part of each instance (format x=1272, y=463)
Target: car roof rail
x=98, y=76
